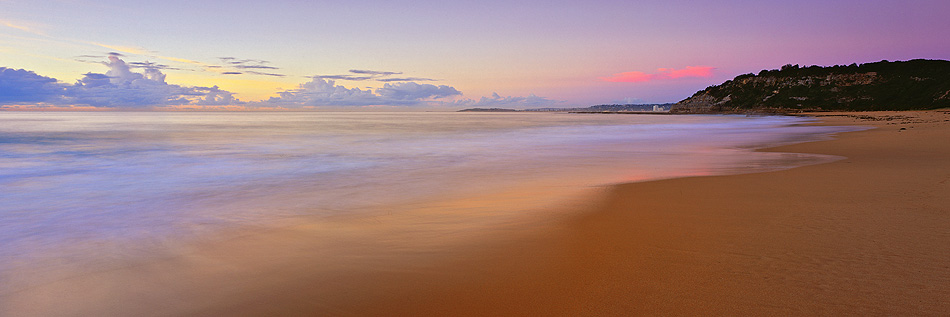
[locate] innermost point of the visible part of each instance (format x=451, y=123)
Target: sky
x=398, y=55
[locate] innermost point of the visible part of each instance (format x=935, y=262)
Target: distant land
x=902, y=85
x=660, y=107
x=489, y=110
x=909, y=85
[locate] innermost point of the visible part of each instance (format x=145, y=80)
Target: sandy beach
x=865, y=235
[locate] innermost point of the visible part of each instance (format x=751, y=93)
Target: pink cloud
x=661, y=73
x=689, y=71
x=629, y=77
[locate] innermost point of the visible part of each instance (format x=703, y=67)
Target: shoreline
x=818, y=239
x=864, y=235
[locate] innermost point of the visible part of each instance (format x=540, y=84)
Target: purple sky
x=433, y=54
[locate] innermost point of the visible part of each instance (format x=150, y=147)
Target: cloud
x=325, y=92
x=630, y=77
x=415, y=91
x=18, y=86
x=25, y=27
x=215, y=96
x=381, y=76
x=405, y=79
x=235, y=60
x=628, y=101
x=235, y=66
x=344, y=77
x=121, y=73
x=689, y=71
x=118, y=87
x=16, y=26
x=661, y=74
x=262, y=73
x=255, y=67
x=143, y=52
x=136, y=84
x=123, y=49
x=507, y=102
x=373, y=72
x=96, y=59
x=152, y=65
x=182, y=60
x=121, y=87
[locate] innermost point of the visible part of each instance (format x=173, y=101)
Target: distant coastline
x=656, y=108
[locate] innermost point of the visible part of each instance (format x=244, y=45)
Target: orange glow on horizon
x=244, y=89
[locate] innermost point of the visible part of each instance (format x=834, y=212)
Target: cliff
x=907, y=85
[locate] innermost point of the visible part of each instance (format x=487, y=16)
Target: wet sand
x=866, y=235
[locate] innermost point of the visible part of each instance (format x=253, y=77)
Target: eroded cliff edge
x=884, y=85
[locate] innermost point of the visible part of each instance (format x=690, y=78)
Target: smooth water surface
x=100, y=184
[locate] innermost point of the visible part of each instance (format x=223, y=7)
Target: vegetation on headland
x=902, y=85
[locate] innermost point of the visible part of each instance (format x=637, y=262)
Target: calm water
x=100, y=184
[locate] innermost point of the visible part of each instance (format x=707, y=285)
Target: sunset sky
x=432, y=54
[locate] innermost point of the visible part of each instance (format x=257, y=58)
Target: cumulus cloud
x=405, y=79
x=18, y=86
x=325, y=92
x=507, y=102
x=120, y=87
x=143, y=84
x=660, y=74
x=214, y=96
x=415, y=91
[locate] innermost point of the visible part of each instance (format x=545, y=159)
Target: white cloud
x=122, y=86
x=19, y=86
x=414, y=91
x=325, y=92
x=118, y=87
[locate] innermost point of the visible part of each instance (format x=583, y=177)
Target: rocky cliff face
x=915, y=84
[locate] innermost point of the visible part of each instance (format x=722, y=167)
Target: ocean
x=82, y=188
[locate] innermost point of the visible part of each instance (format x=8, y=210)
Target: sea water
x=87, y=185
